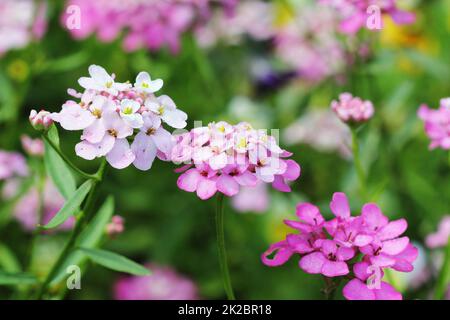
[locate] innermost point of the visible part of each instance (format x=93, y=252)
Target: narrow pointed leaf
x=115, y=261
x=57, y=169
x=71, y=206
x=7, y=278
x=89, y=238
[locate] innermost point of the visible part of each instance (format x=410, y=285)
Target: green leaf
x=89, y=237
x=7, y=278
x=71, y=206
x=8, y=260
x=57, y=169
x=444, y=275
x=115, y=261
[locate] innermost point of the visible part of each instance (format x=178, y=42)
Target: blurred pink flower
x=152, y=24
x=116, y=226
x=437, y=124
x=251, y=18
x=163, y=284
x=26, y=211
x=354, y=16
x=309, y=44
x=333, y=135
x=12, y=164
x=252, y=199
x=20, y=22
x=34, y=147
x=326, y=247
x=223, y=158
x=352, y=109
x=441, y=236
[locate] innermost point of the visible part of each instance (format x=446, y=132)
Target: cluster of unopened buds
x=366, y=244
x=222, y=157
x=352, y=109
x=110, y=113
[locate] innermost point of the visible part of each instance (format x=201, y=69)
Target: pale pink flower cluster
x=222, y=157
x=12, y=164
x=309, y=44
x=21, y=21
x=252, y=18
x=354, y=13
x=437, y=124
x=365, y=244
x=14, y=169
x=151, y=24
x=352, y=109
x=163, y=284
x=110, y=113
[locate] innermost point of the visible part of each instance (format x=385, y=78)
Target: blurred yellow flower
x=18, y=70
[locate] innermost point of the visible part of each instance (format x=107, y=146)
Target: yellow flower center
x=161, y=110
x=128, y=110
x=97, y=113
x=109, y=84
x=145, y=85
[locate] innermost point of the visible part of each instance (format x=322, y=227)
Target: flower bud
x=40, y=120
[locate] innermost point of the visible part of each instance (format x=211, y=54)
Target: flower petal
x=339, y=205
x=313, y=262
x=145, y=150
x=121, y=155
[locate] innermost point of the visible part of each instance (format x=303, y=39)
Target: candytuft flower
x=352, y=109
x=437, y=124
x=222, y=157
x=111, y=113
x=331, y=247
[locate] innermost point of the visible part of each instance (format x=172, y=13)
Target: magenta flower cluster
x=437, y=124
x=359, y=248
x=354, y=13
x=110, y=113
x=222, y=157
x=352, y=109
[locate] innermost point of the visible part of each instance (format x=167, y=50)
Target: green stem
x=444, y=275
x=358, y=166
x=221, y=248
x=68, y=162
x=85, y=216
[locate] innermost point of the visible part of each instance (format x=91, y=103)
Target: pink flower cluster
x=222, y=157
x=365, y=244
x=437, y=124
x=21, y=22
x=354, y=12
x=146, y=23
x=14, y=169
x=163, y=284
x=309, y=43
x=109, y=113
x=352, y=109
